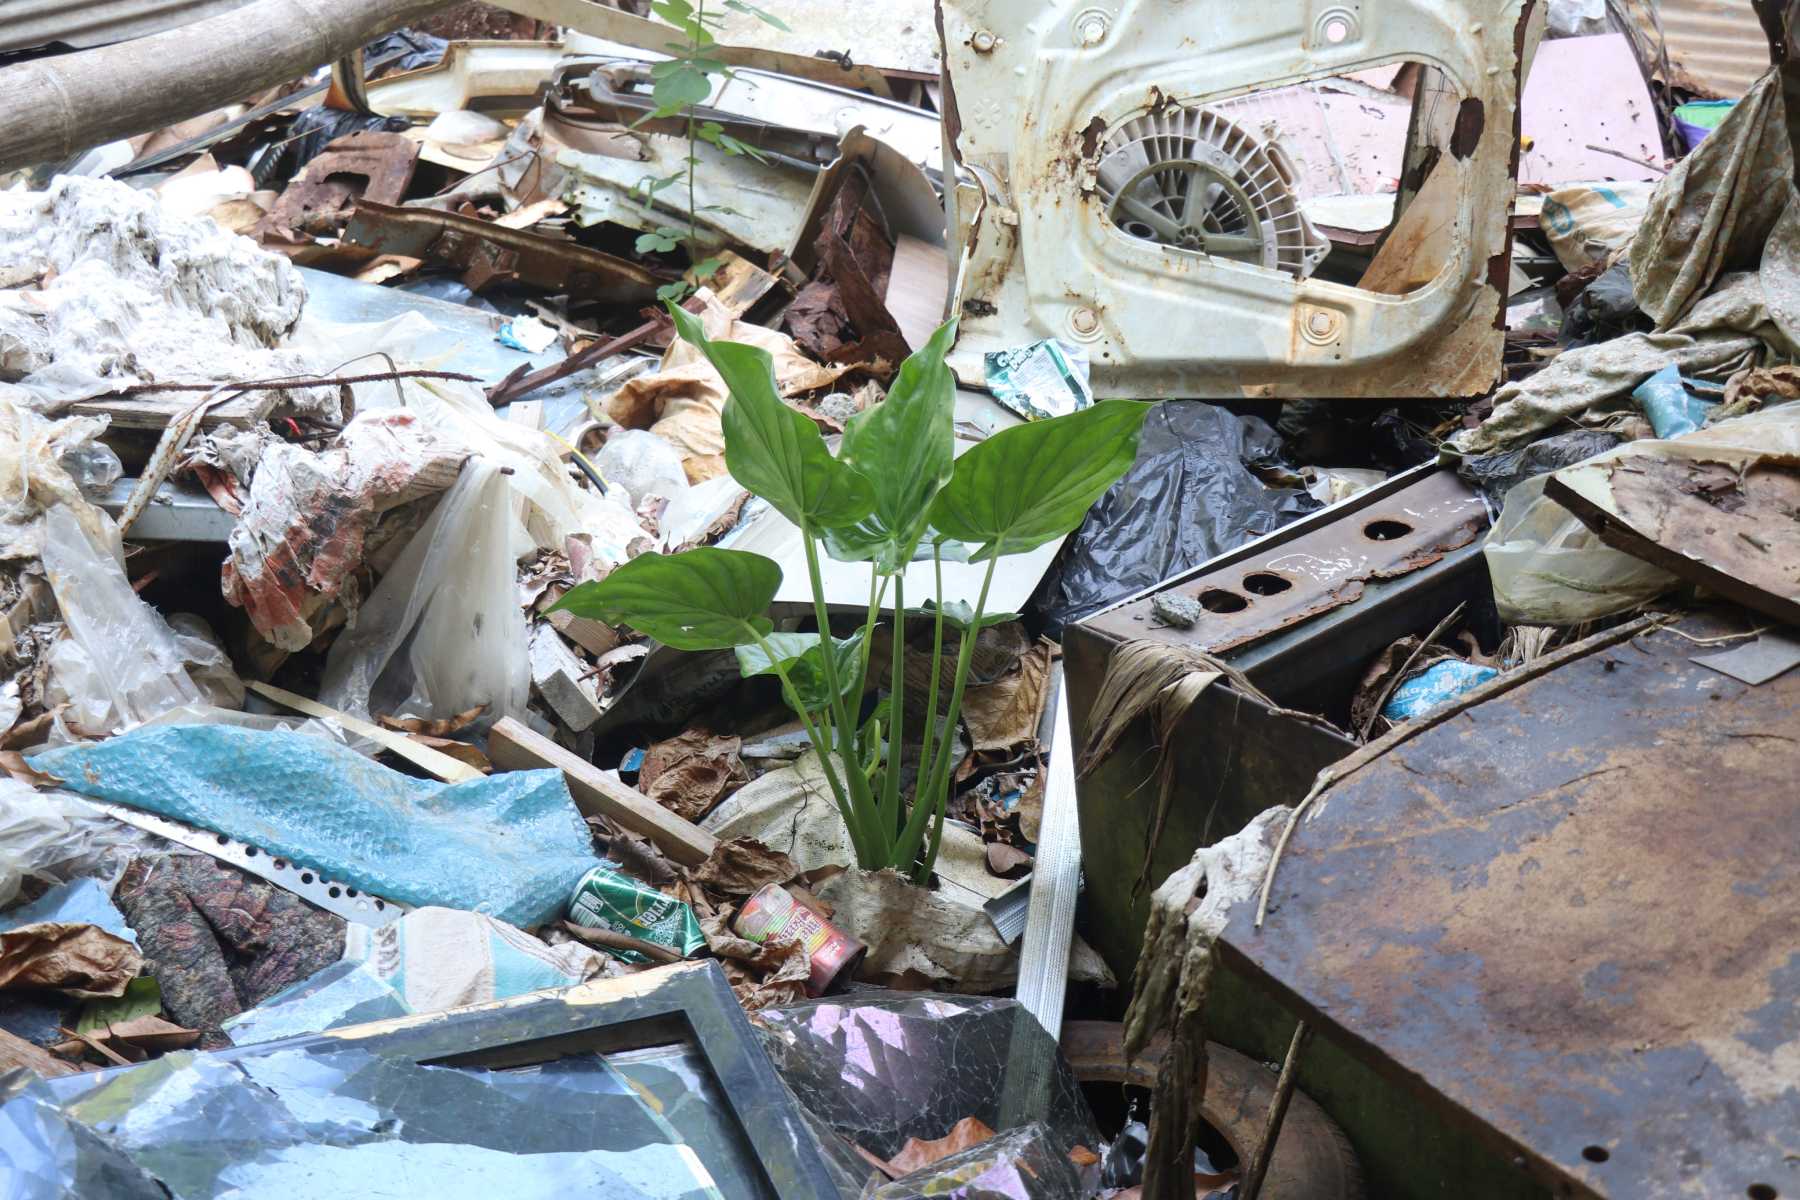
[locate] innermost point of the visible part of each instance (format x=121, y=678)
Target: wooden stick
x=513, y=747
x=1278, y=1106
x=436, y=762
x=17, y=1052
x=608, y=939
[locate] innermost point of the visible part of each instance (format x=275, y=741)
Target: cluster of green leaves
x=679, y=84
x=894, y=492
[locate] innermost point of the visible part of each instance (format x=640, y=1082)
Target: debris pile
x=589, y=551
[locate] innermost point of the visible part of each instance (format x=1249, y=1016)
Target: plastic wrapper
x=430, y=960
x=1021, y=1164
x=1547, y=568
x=443, y=633
x=53, y=837
x=643, y=464
x=343, y=1121
x=107, y=688
x=1436, y=685
x=1498, y=473
x=882, y=1069
x=93, y=466
x=1672, y=409
x=1189, y=496
x=1040, y=380
x=511, y=845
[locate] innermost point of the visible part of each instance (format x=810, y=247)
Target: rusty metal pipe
x=58, y=107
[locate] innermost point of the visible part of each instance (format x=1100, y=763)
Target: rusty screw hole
x=1220, y=601
x=1595, y=1154
x=1386, y=531
x=1266, y=583
x=1761, y=1191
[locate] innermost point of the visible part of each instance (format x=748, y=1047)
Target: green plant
x=684, y=80
x=894, y=486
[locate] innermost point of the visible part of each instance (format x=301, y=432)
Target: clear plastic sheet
x=53, y=836
x=1189, y=496
x=885, y=1068
x=443, y=632
x=346, y=1122
x=1548, y=568
x=511, y=845
x=1021, y=1164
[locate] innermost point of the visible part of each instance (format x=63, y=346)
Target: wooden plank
x=155, y=411
x=513, y=747
x=17, y=1052
x=436, y=762
x=916, y=288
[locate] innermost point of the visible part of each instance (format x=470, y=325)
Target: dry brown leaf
x=15, y=765
x=77, y=960
x=691, y=772
x=1004, y=860
x=778, y=975
x=918, y=1154
x=1081, y=1156
x=437, y=729
x=462, y=752
x=1005, y=713
x=743, y=867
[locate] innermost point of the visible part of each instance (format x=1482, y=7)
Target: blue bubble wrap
x=511, y=845
x=1437, y=684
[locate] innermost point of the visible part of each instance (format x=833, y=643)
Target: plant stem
x=937, y=658
x=896, y=739
x=862, y=799
x=819, y=746
x=933, y=798
x=693, y=52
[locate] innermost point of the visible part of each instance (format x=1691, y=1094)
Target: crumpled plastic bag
x=1547, y=568
x=54, y=836
x=443, y=632
x=511, y=845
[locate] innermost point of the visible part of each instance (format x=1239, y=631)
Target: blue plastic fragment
x=511, y=845
x=633, y=762
x=1437, y=684
x=1672, y=409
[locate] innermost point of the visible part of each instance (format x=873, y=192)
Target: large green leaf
x=906, y=447
x=769, y=448
x=801, y=657
x=700, y=599
x=958, y=614
x=1034, y=482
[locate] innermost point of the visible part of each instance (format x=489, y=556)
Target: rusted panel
x=372, y=165
x=1714, y=46
x=487, y=252
x=1323, y=569
x=1572, y=916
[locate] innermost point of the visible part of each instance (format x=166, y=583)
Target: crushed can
x=774, y=914
x=607, y=898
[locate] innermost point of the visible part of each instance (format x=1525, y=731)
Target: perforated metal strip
x=330, y=895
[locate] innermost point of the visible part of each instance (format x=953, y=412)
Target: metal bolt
x=1090, y=30
x=1085, y=321
x=1320, y=323
x=984, y=42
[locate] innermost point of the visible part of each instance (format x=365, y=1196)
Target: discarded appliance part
x=1757, y=661
x=513, y=747
x=1301, y=577
x=1715, y=507
x=493, y=77
x=1063, y=214
x=641, y=33
x=1473, y=952
x=1055, y=878
x=490, y=253
x=372, y=166
x=179, y=511
x=328, y=894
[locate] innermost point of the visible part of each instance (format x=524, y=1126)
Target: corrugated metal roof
x=1718, y=43
x=84, y=23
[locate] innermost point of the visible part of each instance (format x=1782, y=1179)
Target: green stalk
x=862, y=798
x=935, y=797
x=693, y=52
x=819, y=746
x=937, y=658
x=896, y=738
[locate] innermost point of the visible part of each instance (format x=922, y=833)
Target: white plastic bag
x=121, y=663
x=56, y=837
x=443, y=632
x=643, y=464
x=1548, y=568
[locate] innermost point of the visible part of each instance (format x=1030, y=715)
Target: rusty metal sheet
x=372, y=165
x=488, y=253
x=1038, y=100
x=1572, y=916
x=1325, y=568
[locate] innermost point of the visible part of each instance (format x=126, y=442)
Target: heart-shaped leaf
x=801, y=656
x=905, y=446
x=700, y=599
x=959, y=615
x=1034, y=482
x=774, y=451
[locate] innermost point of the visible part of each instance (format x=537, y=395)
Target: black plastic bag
x=1188, y=497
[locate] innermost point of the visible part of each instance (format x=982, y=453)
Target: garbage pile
x=600, y=563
